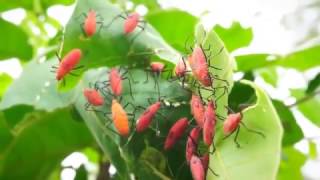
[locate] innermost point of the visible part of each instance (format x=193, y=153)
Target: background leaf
x=5, y=82
x=175, y=26
x=15, y=42
x=293, y=132
x=32, y=5
x=37, y=87
x=55, y=138
x=235, y=36
x=313, y=84
x=291, y=162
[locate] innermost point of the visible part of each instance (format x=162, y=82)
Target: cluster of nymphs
x=203, y=111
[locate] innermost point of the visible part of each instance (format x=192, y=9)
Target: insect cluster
x=200, y=129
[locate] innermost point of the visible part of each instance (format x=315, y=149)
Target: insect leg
x=236, y=137
x=253, y=131
x=115, y=18
x=142, y=27
x=130, y=89
x=88, y=107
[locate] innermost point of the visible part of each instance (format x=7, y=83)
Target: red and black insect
x=120, y=118
x=115, y=82
x=147, y=116
x=94, y=99
x=197, y=109
x=68, y=64
x=180, y=72
x=232, y=124
x=200, y=65
x=192, y=143
x=156, y=68
x=175, y=132
x=209, y=124
x=89, y=25
x=132, y=22
x=197, y=169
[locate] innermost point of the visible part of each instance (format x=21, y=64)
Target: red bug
x=89, y=25
x=197, y=109
x=68, y=63
x=115, y=82
x=181, y=68
x=132, y=21
x=120, y=118
x=156, y=68
x=180, y=71
x=197, y=169
x=192, y=143
x=175, y=132
x=93, y=97
x=205, y=161
x=232, y=124
x=209, y=123
x=199, y=66
x=146, y=118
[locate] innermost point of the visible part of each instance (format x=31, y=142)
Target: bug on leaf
x=93, y=97
x=232, y=124
x=120, y=118
x=180, y=72
x=175, y=132
x=197, y=109
x=147, y=116
x=90, y=22
x=156, y=68
x=115, y=82
x=197, y=169
x=209, y=124
x=192, y=143
x=132, y=21
x=68, y=64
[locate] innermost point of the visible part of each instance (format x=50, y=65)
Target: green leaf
x=253, y=61
x=15, y=42
x=81, y=173
x=175, y=26
x=292, y=131
x=41, y=140
x=302, y=59
x=37, y=87
x=5, y=82
x=269, y=75
x=110, y=46
x=152, y=5
x=313, y=84
x=291, y=163
x=258, y=157
x=312, y=150
x=5, y=133
x=37, y=5
x=308, y=108
x=235, y=36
